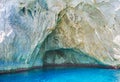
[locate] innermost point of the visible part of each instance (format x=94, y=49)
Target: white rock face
x=23, y=27
x=90, y=26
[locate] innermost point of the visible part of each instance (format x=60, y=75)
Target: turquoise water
x=64, y=75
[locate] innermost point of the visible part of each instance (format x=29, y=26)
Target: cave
x=67, y=57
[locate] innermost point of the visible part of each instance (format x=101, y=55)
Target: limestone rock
x=38, y=32
x=92, y=29
x=23, y=27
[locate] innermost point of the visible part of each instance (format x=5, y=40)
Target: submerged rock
x=38, y=32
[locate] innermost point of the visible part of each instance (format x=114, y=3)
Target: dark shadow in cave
x=68, y=57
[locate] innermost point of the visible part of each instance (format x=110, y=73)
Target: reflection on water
x=64, y=75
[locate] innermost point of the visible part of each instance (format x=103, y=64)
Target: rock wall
x=24, y=26
x=37, y=32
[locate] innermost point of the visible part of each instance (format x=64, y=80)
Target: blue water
x=64, y=75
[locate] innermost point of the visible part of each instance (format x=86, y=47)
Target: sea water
x=64, y=75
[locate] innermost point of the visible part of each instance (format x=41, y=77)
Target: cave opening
x=67, y=57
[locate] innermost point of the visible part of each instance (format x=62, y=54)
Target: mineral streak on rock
x=38, y=32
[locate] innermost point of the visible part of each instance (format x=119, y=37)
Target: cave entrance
x=66, y=56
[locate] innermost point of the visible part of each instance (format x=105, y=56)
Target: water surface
x=64, y=75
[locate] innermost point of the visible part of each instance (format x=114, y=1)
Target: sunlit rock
x=23, y=27
x=40, y=32
x=87, y=28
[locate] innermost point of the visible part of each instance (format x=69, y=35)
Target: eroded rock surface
x=23, y=27
x=33, y=32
